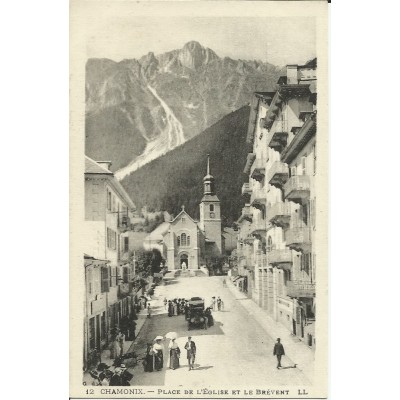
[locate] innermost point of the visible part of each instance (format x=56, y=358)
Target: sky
x=277, y=40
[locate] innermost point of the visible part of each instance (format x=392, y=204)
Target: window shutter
x=105, y=279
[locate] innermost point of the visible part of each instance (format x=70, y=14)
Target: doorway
x=184, y=261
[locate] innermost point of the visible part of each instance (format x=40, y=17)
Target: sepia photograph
x=199, y=199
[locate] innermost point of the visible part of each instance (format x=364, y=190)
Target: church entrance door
x=184, y=261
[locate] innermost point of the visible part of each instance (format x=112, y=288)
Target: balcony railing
x=279, y=214
x=246, y=214
x=123, y=222
x=297, y=188
x=257, y=171
x=278, y=135
x=249, y=162
x=280, y=256
x=257, y=227
x=300, y=289
x=278, y=174
x=258, y=198
x=246, y=190
x=298, y=238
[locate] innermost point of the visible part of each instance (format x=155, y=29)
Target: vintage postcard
x=199, y=199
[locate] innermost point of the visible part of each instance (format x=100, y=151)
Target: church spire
x=208, y=180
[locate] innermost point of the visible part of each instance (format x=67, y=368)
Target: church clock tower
x=210, y=215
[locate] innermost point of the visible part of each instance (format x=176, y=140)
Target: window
x=183, y=220
x=111, y=239
x=211, y=207
x=312, y=212
x=126, y=244
x=269, y=244
x=188, y=240
x=108, y=200
x=103, y=325
x=183, y=239
x=89, y=278
x=125, y=276
x=306, y=262
x=303, y=165
x=179, y=240
x=293, y=171
x=314, y=151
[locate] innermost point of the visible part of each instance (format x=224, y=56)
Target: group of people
x=176, y=307
x=154, y=358
x=103, y=376
x=217, y=304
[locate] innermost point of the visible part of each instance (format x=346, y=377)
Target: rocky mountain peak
x=193, y=55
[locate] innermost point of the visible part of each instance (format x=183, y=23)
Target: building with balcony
x=281, y=166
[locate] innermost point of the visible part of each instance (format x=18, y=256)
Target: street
x=236, y=349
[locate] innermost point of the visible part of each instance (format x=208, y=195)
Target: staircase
x=189, y=273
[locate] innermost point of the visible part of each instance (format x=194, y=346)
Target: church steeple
x=208, y=180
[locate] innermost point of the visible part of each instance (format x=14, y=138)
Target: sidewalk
x=295, y=349
x=128, y=346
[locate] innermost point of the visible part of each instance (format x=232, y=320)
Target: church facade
x=188, y=244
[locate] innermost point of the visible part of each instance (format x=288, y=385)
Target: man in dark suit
x=190, y=347
x=279, y=351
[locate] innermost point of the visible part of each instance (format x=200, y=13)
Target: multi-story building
x=109, y=273
x=280, y=196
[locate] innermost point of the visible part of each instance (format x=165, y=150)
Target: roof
x=210, y=197
x=180, y=214
x=92, y=167
x=158, y=233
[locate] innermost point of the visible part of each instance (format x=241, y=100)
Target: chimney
x=105, y=164
x=291, y=73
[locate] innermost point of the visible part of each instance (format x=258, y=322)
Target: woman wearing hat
x=158, y=350
x=174, y=354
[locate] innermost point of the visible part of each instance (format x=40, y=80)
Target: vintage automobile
x=196, y=316
x=197, y=319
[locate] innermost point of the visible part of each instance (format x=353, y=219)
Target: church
x=188, y=244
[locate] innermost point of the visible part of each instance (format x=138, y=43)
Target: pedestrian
x=126, y=376
x=279, y=351
x=190, y=348
x=132, y=330
x=115, y=348
x=158, y=350
x=213, y=303
x=174, y=354
x=165, y=303
x=175, y=305
x=148, y=311
x=125, y=325
x=116, y=378
x=170, y=309
x=121, y=341
x=148, y=359
x=219, y=303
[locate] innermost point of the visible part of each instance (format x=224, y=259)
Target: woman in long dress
x=170, y=309
x=148, y=359
x=174, y=354
x=115, y=348
x=158, y=350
